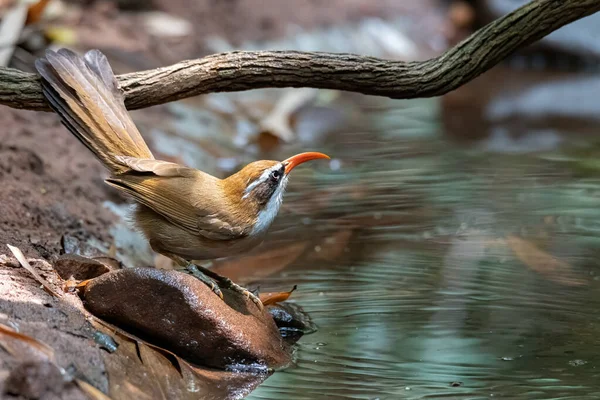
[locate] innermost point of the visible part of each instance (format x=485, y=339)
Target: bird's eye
x=275, y=175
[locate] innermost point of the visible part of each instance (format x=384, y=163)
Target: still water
x=434, y=267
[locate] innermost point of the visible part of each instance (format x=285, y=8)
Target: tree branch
x=244, y=70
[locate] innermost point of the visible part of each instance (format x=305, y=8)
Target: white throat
x=267, y=215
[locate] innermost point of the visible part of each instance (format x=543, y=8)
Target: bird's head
x=260, y=185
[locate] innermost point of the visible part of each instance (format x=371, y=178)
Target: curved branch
x=244, y=70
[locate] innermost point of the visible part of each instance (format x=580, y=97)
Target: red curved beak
x=301, y=158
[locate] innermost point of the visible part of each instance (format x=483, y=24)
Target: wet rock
x=293, y=322
x=72, y=266
x=34, y=380
x=178, y=312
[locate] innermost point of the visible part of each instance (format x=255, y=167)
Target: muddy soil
x=50, y=185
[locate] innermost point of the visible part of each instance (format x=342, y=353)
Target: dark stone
x=293, y=322
x=34, y=379
x=110, y=262
x=176, y=311
x=80, y=268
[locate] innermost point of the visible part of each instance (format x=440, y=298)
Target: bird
x=184, y=213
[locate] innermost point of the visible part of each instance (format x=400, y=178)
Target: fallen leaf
x=127, y=377
x=140, y=370
x=25, y=264
x=275, y=297
x=35, y=11
x=543, y=263
x=70, y=285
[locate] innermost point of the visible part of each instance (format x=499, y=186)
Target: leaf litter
x=135, y=368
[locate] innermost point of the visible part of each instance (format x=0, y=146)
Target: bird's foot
x=231, y=285
x=227, y=283
x=210, y=282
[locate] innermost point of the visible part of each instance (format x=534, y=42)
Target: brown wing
x=182, y=195
x=156, y=167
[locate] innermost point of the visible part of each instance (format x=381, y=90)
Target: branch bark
x=244, y=70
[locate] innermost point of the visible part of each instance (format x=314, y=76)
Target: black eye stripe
x=275, y=175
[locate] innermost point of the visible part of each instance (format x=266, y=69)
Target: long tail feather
x=85, y=93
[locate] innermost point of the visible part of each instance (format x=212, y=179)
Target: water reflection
x=434, y=268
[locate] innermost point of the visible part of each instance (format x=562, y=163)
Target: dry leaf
x=24, y=347
x=543, y=263
x=70, y=285
x=140, y=370
x=35, y=12
x=275, y=297
x=25, y=264
x=127, y=377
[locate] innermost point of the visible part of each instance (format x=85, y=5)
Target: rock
x=293, y=322
x=73, y=245
x=110, y=262
x=176, y=311
x=80, y=268
x=35, y=379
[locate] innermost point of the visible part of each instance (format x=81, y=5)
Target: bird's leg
x=227, y=283
x=193, y=270
x=213, y=280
